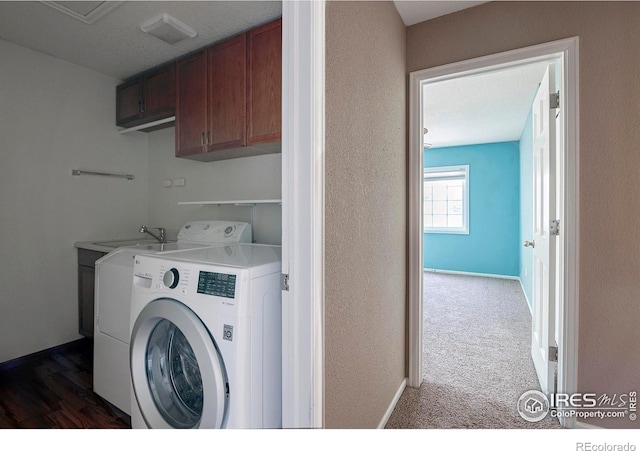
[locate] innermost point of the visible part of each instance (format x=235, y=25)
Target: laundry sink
x=132, y=242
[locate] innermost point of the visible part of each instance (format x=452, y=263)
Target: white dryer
x=111, y=377
x=206, y=340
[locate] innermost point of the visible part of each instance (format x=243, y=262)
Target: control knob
x=171, y=278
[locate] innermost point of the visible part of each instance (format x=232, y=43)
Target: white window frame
x=464, y=230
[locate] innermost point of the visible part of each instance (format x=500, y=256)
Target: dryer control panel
x=215, y=232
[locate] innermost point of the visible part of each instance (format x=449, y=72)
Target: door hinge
x=554, y=227
x=553, y=353
x=554, y=100
x=284, y=282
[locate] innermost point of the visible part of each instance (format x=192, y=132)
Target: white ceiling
x=114, y=43
x=416, y=11
x=482, y=108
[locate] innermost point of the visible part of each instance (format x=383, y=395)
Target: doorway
x=559, y=322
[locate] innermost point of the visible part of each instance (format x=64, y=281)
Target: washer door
x=178, y=375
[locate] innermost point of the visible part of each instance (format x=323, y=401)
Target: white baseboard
x=524, y=292
x=477, y=274
x=392, y=406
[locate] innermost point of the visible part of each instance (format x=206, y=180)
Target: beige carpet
x=477, y=359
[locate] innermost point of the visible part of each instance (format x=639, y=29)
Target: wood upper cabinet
x=228, y=97
x=211, y=101
x=228, y=94
x=147, y=98
x=128, y=98
x=159, y=93
x=264, y=83
x=191, y=105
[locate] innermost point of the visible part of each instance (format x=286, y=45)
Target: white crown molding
x=100, y=11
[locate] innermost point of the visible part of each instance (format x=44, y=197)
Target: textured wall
x=492, y=245
x=365, y=278
x=609, y=168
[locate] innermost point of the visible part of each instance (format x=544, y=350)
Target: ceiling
x=114, y=44
x=481, y=108
x=416, y=11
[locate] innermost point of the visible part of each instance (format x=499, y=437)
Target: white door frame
x=566, y=51
x=303, y=94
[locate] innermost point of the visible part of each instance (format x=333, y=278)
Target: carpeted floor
x=477, y=363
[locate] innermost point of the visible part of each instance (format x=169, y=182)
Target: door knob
x=530, y=244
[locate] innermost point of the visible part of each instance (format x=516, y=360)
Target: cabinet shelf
x=237, y=203
x=148, y=126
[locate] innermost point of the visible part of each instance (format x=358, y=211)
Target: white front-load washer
x=113, y=302
x=206, y=346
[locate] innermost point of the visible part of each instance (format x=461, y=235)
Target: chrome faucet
x=161, y=237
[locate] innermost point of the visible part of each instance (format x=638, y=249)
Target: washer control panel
x=217, y=284
x=165, y=276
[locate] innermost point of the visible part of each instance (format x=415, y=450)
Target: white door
x=544, y=187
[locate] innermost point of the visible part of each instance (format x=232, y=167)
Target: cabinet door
x=264, y=83
x=128, y=103
x=159, y=94
x=227, y=94
x=86, y=284
x=191, y=105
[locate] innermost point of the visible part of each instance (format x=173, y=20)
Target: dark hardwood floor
x=53, y=389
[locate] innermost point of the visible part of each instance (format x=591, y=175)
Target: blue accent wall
x=526, y=207
x=493, y=243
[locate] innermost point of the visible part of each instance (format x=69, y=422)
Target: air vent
x=87, y=12
x=168, y=29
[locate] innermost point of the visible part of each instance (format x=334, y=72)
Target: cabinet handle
x=208, y=137
x=202, y=139
x=142, y=106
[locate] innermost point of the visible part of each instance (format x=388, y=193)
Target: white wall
x=238, y=179
x=54, y=117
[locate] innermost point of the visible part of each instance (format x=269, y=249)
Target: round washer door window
x=178, y=376
x=174, y=376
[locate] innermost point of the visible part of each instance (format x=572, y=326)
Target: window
x=446, y=199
